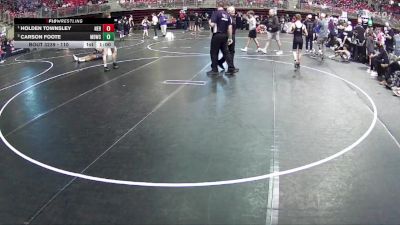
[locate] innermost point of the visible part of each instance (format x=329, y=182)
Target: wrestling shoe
x=396, y=92
x=264, y=50
x=231, y=72
x=221, y=66
x=115, y=66
x=213, y=73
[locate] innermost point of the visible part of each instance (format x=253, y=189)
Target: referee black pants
x=231, y=49
x=155, y=27
x=219, y=41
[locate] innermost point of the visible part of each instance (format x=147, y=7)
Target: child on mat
x=298, y=29
x=98, y=54
x=251, y=20
x=145, y=25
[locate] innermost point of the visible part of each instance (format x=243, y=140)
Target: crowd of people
x=126, y=25
x=387, y=10
x=6, y=48
x=362, y=42
x=380, y=6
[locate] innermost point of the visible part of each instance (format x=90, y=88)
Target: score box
x=108, y=28
x=108, y=36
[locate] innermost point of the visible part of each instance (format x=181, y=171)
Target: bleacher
x=68, y=8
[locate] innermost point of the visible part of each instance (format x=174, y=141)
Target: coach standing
x=163, y=23
x=154, y=22
x=221, y=28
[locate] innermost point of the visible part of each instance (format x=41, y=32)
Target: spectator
x=131, y=25
x=2, y=53
x=359, y=42
x=310, y=25
x=390, y=77
x=389, y=38
x=370, y=45
x=378, y=60
x=182, y=19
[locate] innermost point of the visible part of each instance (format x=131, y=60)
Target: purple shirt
x=163, y=20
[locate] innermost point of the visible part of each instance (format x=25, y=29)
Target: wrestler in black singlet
x=298, y=37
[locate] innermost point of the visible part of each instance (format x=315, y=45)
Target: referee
x=231, y=47
x=221, y=26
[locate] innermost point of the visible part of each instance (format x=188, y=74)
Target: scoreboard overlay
x=64, y=33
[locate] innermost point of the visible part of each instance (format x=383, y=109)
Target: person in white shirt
x=251, y=20
x=154, y=23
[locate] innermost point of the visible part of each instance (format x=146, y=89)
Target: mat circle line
x=199, y=53
x=195, y=184
x=30, y=78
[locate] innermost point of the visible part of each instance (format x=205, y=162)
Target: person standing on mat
x=163, y=23
x=298, y=29
x=251, y=20
x=113, y=51
x=310, y=25
x=145, y=25
x=197, y=22
x=131, y=25
x=231, y=47
x=154, y=22
x=239, y=23
x=273, y=32
x=221, y=26
x=323, y=35
x=126, y=26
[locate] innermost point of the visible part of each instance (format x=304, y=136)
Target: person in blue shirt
x=163, y=23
